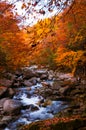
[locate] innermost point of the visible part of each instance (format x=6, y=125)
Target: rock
x=18, y=73
x=1, y=105
x=20, y=78
x=33, y=67
x=41, y=72
x=5, y=82
x=16, y=84
x=48, y=92
x=56, y=85
x=3, y=125
x=27, y=83
x=44, y=77
x=63, y=90
x=29, y=74
x=33, y=107
x=6, y=119
x=30, y=107
x=46, y=103
x=2, y=90
x=46, y=84
x=28, y=88
x=2, y=101
x=11, y=92
x=51, y=75
x=63, y=76
x=11, y=106
x=10, y=76
x=33, y=80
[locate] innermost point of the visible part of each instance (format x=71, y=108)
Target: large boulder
x=11, y=106
x=1, y=105
x=4, y=121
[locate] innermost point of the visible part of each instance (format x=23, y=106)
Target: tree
x=38, y=9
x=13, y=47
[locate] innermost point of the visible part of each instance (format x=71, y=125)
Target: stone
x=46, y=84
x=11, y=92
x=41, y=72
x=33, y=107
x=16, y=84
x=43, y=77
x=10, y=76
x=33, y=80
x=29, y=74
x=63, y=90
x=1, y=105
x=27, y=83
x=11, y=106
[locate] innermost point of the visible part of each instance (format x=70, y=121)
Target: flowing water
x=33, y=111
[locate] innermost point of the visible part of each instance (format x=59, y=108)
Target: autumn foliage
x=13, y=48
x=59, y=42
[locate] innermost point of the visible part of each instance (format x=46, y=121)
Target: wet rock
x=33, y=80
x=48, y=92
x=11, y=92
x=56, y=85
x=51, y=75
x=63, y=90
x=41, y=72
x=46, y=85
x=1, y=105
x=2, y=125
x=29, y=74
x=44, y=77
x=2, y=101
x=30, y=107
x=18, y=73
x=16, y=84
x=5, y=120
x=27, y=83
x=46, y=103
x=28, y=88
x=11, y=106
x=20, y=78
x=33, y=107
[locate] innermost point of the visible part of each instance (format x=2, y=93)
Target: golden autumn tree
x=74, y=19
x=13, y=47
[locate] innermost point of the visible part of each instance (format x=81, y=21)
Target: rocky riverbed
x=34, y=94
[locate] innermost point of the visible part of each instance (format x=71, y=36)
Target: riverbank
x=46, y=92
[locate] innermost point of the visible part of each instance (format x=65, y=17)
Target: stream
x=34, y=110
x=35, y=107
